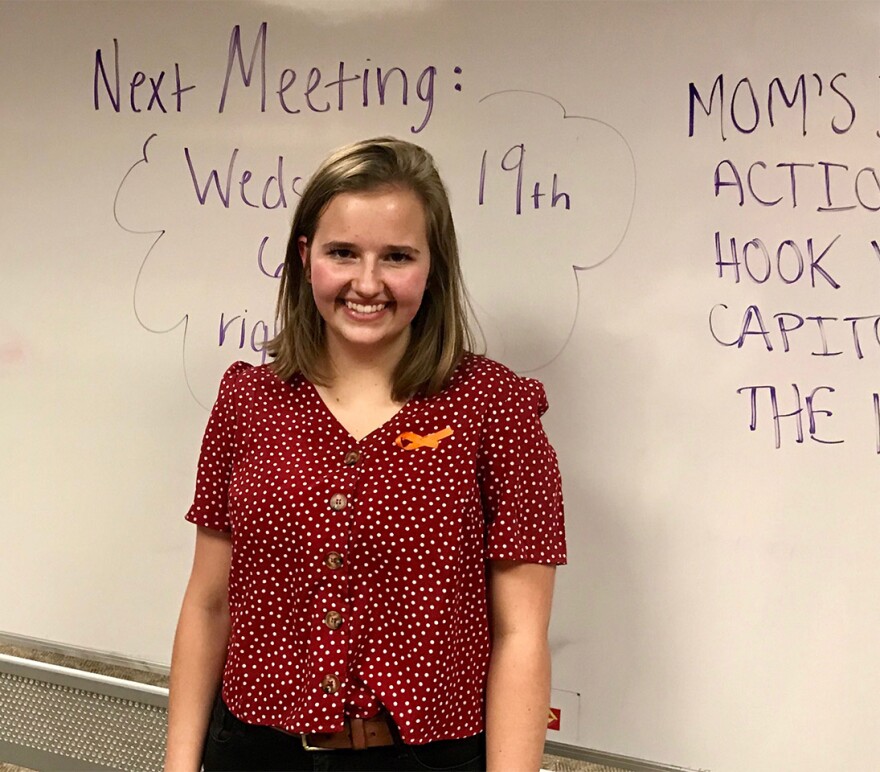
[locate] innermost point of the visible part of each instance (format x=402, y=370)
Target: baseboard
x=60, y=719
x=611, y=759
x=33, y=758
x=103, y=657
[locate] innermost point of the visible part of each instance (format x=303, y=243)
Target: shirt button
x=333, y=560
x=351, y=458
x=330, y=684
x=338, y=501
x=333, y=620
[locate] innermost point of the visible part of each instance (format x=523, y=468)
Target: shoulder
x=234, y=372
x=243, y=380
x=247, y=375
x=476, y=369
x=232, y=379
x=491, y=383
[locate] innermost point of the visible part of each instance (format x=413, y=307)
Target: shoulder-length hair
x=440, y=333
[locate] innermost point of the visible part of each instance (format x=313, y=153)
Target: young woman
x=379, y=511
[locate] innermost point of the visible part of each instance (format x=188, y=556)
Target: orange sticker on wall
x=554, y=719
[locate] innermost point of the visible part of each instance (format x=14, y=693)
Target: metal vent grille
x=92, y=719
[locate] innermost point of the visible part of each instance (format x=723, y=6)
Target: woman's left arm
x=518, y=690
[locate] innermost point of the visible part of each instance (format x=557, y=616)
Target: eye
x=399, y=257
x=341, y=253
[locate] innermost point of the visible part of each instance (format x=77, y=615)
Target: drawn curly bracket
x=158, y=236
x=576, y=269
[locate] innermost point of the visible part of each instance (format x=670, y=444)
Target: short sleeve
x=520, y=484
x=210, y=506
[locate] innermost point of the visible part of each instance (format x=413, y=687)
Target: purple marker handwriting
x=772, y=115
x=746, y=106
x=248, y=83
x=511, y=164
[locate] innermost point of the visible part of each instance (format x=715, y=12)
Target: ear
x=303, y=245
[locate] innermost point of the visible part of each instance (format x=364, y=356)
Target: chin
x=368, y=341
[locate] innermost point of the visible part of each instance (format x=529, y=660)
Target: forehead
x=382, y=211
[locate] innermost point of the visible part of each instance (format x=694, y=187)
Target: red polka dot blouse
x=358, y=575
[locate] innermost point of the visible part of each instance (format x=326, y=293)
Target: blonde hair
x=440, y=333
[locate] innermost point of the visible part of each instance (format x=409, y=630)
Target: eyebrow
x=330, y=245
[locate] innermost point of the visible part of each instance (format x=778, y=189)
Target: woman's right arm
x=199, y=651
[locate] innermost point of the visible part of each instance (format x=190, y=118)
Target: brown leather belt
x=359, y=733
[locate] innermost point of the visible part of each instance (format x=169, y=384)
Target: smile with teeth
x=364, y=309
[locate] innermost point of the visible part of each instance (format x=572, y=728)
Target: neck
x=358, y=369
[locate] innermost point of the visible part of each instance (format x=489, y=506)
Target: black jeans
x=232, y=744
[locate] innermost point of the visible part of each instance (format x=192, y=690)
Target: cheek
x=324, y=285
x=414, y=286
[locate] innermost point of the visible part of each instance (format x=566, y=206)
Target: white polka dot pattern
x=392, y=541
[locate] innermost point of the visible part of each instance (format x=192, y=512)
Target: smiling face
x=369, y=262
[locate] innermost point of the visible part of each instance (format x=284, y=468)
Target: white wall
x=719, y=610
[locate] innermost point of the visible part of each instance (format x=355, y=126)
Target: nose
x=367, y=282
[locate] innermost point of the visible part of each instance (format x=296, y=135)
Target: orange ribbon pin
x=413, y=441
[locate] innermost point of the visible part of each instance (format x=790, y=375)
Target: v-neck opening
x=326, y=408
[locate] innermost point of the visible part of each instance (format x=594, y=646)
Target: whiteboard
x=719, y=609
